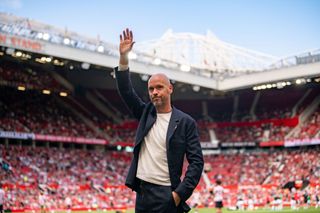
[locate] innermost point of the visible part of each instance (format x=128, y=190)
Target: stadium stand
x=262, y=143
x=61, y=170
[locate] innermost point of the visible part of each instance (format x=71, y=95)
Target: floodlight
x=157, y=61
x=46, y=36
x=196, y=88
x=185, y=68
x=100, y=49
x=85, y=66
x=66, y=41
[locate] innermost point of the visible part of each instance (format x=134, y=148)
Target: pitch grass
x=212, y=210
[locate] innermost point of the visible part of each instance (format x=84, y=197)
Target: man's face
x=160, y=90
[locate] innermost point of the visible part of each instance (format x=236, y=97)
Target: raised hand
x=126, y=42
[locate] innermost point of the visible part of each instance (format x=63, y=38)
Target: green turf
x=212, y=210
x=310, y=210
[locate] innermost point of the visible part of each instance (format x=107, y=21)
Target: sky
x=277, y=27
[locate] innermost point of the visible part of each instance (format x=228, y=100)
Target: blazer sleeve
x=195, y=159
x=128, y=94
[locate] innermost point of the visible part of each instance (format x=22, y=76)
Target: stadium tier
x=66, y=138
x=82, y=139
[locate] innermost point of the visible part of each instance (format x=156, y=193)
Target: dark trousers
x=153, y=198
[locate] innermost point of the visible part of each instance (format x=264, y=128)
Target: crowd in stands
x=238, y=134
x=18, y=75
x=261, y=177
x=94, y=179
x=32, y=112
x=296, y=165
x=310, y=129
x=265, y=167
x=62, y=173
x=90, y=178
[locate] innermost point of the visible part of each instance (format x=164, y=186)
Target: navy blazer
x=182, y=140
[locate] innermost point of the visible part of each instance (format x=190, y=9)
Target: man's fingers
x=131, y=35
x=124, y=35
x=128, y=33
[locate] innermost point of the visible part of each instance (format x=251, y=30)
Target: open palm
x=126, y=42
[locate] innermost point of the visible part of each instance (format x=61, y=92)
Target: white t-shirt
x=68, y=201
x=1, y=196
x=153, y=162
x=42, y=200
x=218, y=193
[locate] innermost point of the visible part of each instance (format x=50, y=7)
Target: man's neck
x=164, y=110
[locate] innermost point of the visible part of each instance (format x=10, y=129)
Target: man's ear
x=171, y=88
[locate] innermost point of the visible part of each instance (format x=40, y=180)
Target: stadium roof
x=205, y=52
x=194, y=59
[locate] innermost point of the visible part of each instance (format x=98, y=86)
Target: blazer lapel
x=173, y=123
x=151, y=118
x=150, y=121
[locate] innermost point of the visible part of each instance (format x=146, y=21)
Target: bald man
x=165, y=136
